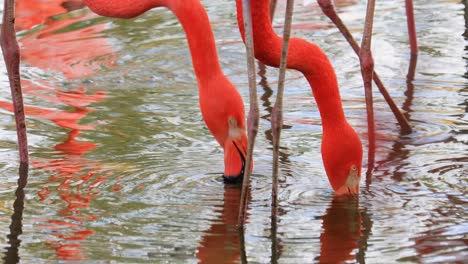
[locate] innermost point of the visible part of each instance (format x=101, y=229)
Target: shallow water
x=124, y=170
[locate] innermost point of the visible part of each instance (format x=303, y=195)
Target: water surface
x=124, y=170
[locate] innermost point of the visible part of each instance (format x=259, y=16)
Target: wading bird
x=341, y=146
x=221, y=105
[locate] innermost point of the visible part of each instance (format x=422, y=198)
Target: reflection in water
x=399, y=150
x=341, y=233
x=222, y=242
x=67, y=172
x=30, y=13
x=283, y=160
x=434, y=244
x=418, y=180
x=465, y=35
x=446, y=241
x=78, y=183
x=59, y=44
x=16, y=226
x=77, y=178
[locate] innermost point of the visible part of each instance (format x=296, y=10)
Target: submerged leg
x=11, y=55
x=329, y=10
x=253, y=118
x=367, y=69
x=277, y=119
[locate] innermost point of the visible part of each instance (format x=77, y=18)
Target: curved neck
x=303, y=56
x=196, y=25
x=190, y=14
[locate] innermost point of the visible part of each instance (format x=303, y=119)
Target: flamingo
x=341, y=147
x=221, y=104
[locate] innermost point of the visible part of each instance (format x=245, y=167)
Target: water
x=124, y=170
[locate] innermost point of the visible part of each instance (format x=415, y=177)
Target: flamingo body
x=221, y=105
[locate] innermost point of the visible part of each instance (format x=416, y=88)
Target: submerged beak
x=351, y=185
x=232, y=179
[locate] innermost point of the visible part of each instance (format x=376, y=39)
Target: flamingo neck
x=190, y=14
x=303, y=56
x=196, y=25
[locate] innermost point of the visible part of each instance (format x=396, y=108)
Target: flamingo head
x=120, y=8
x=235, y=152
x=342, y=158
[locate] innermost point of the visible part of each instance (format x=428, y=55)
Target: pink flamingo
x=221, y=105
x=341, y=146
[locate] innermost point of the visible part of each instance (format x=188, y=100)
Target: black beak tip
x=233, y=179
x=238, y=178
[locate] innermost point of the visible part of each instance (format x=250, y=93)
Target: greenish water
x=124, y=170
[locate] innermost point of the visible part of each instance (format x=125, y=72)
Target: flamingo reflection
x=30, y=13
x=76, y=179
x=345, y=231
x=222, y=242
x=78, y=184
x=59, y=44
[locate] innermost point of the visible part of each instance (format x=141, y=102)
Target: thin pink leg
x=411, y=27
x=253, y=118
x=272, y=9
x=367, y=69
x=277, y=113
x=329, y=10
x=277, y=123
x=412, y=38
x=11, y=55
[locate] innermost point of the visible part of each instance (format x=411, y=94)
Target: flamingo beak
x=351, y=186
x=233, y=179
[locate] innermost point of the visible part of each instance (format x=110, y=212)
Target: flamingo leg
x=329, y=10
x=254, y=115
x=412, y=38
x=272, y=9
x=367, y=70
x=11, y=55
x=411, y=27
x=277, y=115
